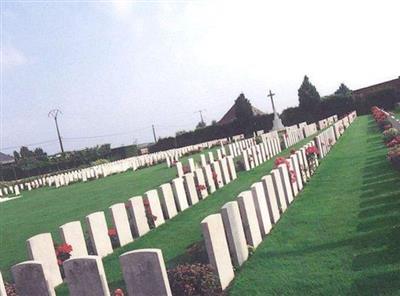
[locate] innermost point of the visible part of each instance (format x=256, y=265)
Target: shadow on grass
x=379, y=224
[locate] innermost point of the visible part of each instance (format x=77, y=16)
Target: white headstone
x=279, y=193
x=179, y=194
x=190, y=188
x=98, y=232
x=121, y=223
x=209, y=178
x=200, y=183
x=249, y=218
x=71, y=233
x=234, y=232
x=217, y=248
x=41, y=249
x=151, y=197
x=138, y=216
x=287, y=187
x=261, y=206
x=272, y=202
x=167, y=201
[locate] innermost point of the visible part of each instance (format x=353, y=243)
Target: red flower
x=200, y=187
x=64, y=248
x=112, y=232
x=119, y=292
x=312, y=150
x=394, y=142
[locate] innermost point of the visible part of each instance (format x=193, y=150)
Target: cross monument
x=277, y=122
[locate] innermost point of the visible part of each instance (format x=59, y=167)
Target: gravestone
x=41, y=249
x=2, y=287
x=231, y=167
x=218, y=174
x=192, y=167
x=203, y=160
x=210, y=157
x=209, y=178
x=121, y=223
x=190, y=189
x=179, y=169
x=261, y=206
x=98, y=233
x=85, y=276
x=138, y=216
x=272, y=202
x=249, y=218
x=217, y=248
x=296, y=167
x=223, y=163
x=179, y=194
x=144, y=273
x=279, y=192
x=246, y=161
x=151, y=197
x=287, y=187
x=30, y=279
x=167, y=201
x=234, y=232
x=201, y=183
x=71, y=233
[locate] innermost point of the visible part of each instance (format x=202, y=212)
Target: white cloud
x=12, y=57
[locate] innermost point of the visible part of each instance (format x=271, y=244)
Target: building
x=393, y=84
x=231, y=115
x=5, y=159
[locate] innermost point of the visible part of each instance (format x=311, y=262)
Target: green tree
x=309, y=99
x=244, y=113
x=201, y=124
x=343, y=90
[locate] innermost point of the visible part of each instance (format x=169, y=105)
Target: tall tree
x=243, y=112
x=343, y=90
x=309, y=99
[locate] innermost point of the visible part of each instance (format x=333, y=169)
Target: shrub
x=394, y=156
x=10, y=289
x=194, y=280
x=390, y=134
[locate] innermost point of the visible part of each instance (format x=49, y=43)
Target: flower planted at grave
x=390, y=134
x=200, y=188
x=394, y=156
x=312, y=155
x=118, y=292
x=194, y=280
x=112, y=233
x=215, y=177
x=186, y=169
x=149, y=215
x=63, y=253
x=10, y=289
x=283, y=160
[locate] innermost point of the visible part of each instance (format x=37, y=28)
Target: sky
x=115, y=68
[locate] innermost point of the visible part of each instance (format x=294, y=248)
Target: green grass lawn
x=45, y=209
x=342, y=235
x=180, y=233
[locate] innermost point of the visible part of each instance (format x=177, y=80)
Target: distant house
x=393, y=84
x=6, y=159
x=231, y=115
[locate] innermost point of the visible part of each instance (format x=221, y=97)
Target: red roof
x=231, y=115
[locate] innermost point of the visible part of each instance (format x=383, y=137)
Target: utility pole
x=154, y=133
x=201, y=115
x=54, y=114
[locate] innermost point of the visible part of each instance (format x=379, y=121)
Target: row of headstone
x=247, y=220
x=259, y=153
x=292, y=135
x=104, y=170
x=132, y=219
x=143, y=271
